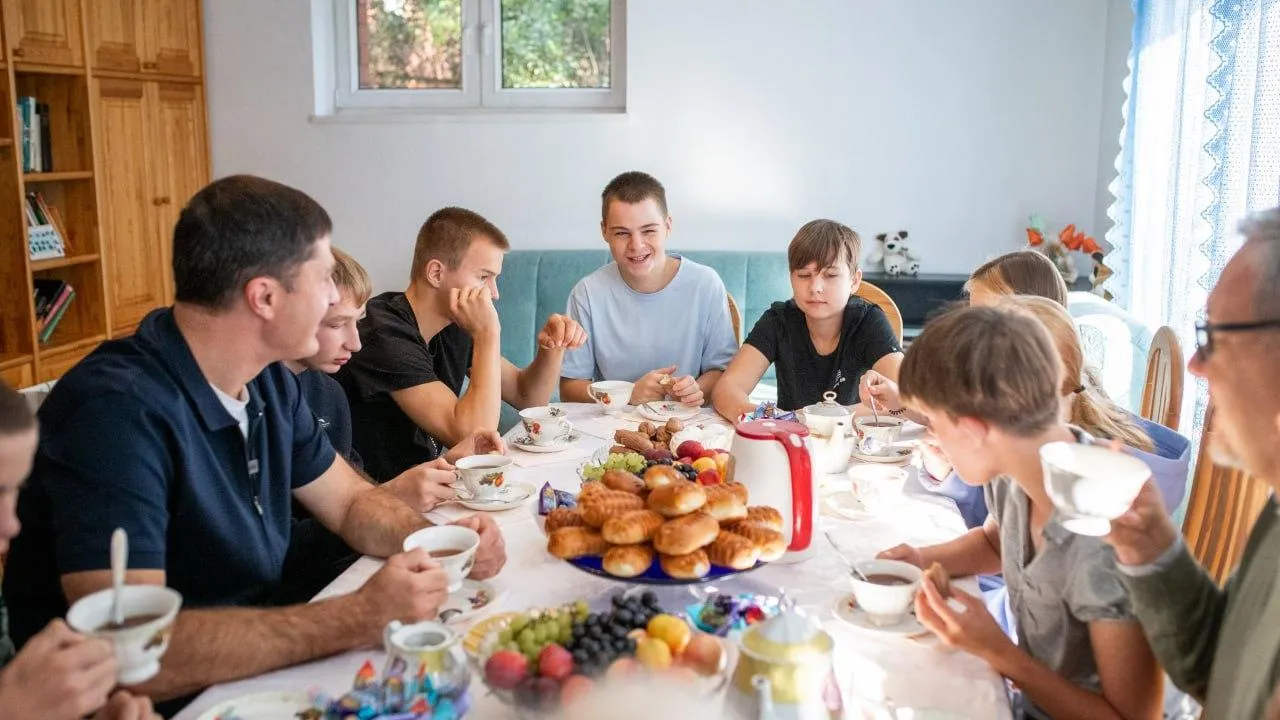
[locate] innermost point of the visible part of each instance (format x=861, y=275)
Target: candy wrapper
x=721, y=614
x=768, y=411
x=394, y=697
x=549, y=499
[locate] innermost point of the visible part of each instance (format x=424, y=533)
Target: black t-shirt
x=782, y=336
x=328, y=402
x=395, y=357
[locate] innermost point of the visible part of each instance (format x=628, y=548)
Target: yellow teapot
x=784, y=672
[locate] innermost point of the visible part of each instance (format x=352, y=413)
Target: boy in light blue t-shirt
x=652, y=318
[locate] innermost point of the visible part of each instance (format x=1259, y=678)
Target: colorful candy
x=549, y=499
x=391, y=698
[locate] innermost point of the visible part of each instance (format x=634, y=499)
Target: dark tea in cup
x=444, y=552
x=129, y=622
x=887, y=579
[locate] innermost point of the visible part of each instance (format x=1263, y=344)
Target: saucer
x=260, y=706
x=846, y=504
x=665, y=410
x=472, y=598
x=512, y=495
x=900, y=454
x=525, y=443
x=908, y=627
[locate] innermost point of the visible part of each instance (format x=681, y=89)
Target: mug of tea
x=545, y=425
x=1091, y=485
x=878, y=435
x=143, y=637
x=452, y=546
x=482, y=477
x=888, y=590
x=611, y=394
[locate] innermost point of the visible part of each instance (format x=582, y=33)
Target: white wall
x=952, y=120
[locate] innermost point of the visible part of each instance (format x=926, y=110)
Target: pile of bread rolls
x=630, y=522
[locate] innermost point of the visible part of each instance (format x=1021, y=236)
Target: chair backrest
x=1223, y=505
x=1162, y=396
x=735, y=317
x=1115, y=344
x=36, y=394
x=873, y=294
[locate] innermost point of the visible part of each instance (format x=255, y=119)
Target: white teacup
x=611, y=394
x=884, y=603
x=149, y=611
x=453, y=546
x=882, y=433
x=1091, y=485
x=482, y=476
x=545, y=425
x=877, y=486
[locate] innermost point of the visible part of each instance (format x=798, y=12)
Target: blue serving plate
x=654, y=575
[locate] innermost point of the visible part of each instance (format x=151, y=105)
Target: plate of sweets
x=722, y=614
x=397, y=695
x=667, y=524
x=542, y=661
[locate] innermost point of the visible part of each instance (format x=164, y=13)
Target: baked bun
x=683, y=535
x=564, y=517
x=940, y=578
x=770, y=543
x=766, y=516
x=732, y=551
x=723, y=504
x=622, y=481
x=689, y=566
x=631, y=527
x=601, y=505
x=738, y=489
x=677, y=499
x=569, y=543
x=627, y=560
x=659, y=475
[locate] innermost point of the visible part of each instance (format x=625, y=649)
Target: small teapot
x=821, y=417
x=831, y=455
x=784, y=672
x=429, y=650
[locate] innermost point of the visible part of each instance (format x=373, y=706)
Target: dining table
x=880, y=675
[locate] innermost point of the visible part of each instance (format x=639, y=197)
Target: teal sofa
x=536, y=283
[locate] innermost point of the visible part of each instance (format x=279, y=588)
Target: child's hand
x=904, y=553
x=880, y=390
x=960, y=622
x=934, y=458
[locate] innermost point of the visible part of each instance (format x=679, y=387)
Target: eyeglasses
x=1205, y=331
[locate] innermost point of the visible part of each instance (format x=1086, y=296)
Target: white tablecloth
x=871, y=668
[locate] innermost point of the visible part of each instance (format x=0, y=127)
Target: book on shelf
x=37, y=146
x=52, y=298
x=48, y=236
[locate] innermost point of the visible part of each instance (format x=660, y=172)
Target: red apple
x=506, y=668
x=690, y=449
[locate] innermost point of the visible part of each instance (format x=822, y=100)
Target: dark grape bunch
x=602, y=637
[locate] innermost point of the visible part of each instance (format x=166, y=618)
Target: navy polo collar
x=160, y=330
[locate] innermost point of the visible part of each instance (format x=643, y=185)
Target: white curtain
x=1200, y=150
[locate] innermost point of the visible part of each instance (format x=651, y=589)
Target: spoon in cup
x=119, y=563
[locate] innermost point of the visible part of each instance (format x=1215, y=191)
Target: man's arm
x=371, y=519
x=575, y=390
x=211, y=646
x=533, y=385
x=446, y=417
x=730, y=394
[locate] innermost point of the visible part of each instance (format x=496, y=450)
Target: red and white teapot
x=774, y=459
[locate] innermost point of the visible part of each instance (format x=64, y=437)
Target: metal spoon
x=119, y=563
x=852, y=568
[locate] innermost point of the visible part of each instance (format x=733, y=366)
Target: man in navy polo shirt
x=192, y=436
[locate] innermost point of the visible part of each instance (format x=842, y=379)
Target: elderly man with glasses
x=1221, y=645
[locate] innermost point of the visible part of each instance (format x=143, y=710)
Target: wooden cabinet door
x=115, y=34
x=179, y=136
x=135, y=257
x=45, y=31
x=172, y=32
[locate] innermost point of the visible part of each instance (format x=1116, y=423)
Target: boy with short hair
x=652, y=317
x=987, y=381
x=823, y=339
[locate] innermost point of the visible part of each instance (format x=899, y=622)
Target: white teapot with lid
x=831, y=433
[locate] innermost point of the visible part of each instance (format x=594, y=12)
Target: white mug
x=149, y=611
x=482, y=476
x=611, y=394
x=453, y=546
x=545, y=425
x=886, y=604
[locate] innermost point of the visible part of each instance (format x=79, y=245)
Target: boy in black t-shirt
x=823, y=339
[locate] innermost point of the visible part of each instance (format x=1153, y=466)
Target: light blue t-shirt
x=630, y=333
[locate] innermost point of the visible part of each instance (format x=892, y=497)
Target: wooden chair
x=1223, y=505
x=875, y=295
x=735, y=316
x=1162, y=397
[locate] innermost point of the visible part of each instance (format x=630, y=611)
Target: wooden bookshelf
x=123, y=84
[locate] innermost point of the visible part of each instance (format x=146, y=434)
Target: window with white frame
x=457, y=54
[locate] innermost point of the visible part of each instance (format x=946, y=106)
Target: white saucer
x=846, y=504
x=473, y=598
x=908, y=627
x=524, y=443
x=665, y=410
x=260, y=706
x=901, y=454
x=513, y=495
